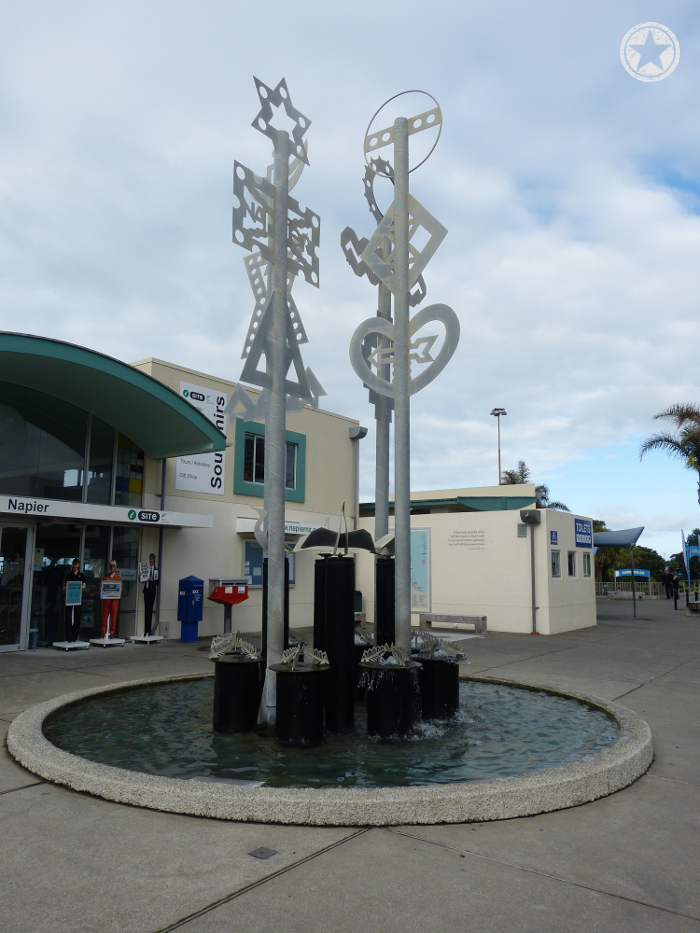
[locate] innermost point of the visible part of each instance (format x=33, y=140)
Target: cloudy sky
x=570, y=190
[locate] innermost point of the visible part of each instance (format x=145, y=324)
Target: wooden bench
x=436, y=620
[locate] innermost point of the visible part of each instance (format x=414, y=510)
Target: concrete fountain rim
x=591, y=777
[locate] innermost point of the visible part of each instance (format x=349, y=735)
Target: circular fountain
x=513, y=750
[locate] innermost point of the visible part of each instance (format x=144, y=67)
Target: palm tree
x=517, y=476
x=522, y=475
x=685, y=443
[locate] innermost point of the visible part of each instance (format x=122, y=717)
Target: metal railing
x=644, y=589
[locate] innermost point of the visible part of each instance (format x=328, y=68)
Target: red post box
x=228, y=591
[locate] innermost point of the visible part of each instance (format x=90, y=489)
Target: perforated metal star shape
x=280, y=98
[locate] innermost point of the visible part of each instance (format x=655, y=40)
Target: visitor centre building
x=100, y=461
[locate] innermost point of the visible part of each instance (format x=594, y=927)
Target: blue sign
x=637, y=572
x=584, y=532
x=693, y=550
x=553, y=537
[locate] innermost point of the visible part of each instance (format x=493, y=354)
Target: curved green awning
x=150, y=414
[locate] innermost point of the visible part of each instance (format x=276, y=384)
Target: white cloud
x=571, y=259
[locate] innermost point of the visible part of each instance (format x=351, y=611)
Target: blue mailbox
x=190, y=605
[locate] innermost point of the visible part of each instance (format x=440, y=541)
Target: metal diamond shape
x=417, y=259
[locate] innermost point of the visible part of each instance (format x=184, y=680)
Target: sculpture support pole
x=275, y=429
x=402, y=401
x=383, y=419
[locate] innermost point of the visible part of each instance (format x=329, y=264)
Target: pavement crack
x=658, y=777
x=546, y=874
x=256, y=884
x=13, y=790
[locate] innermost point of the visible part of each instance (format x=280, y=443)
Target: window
x=249, y=462
x=253, y=564
x=129, y=480
x=556, y=566
x=586, y=565
x=53, y=450
x=572, y=563
x=254, y=461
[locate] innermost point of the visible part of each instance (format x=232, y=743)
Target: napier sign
x=54, y=508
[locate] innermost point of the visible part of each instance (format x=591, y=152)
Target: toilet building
x=477, y=552
x=101, y=460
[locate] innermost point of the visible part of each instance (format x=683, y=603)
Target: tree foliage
x=521, y=474
x=685, y=443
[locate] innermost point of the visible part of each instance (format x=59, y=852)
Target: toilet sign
x=584, y=532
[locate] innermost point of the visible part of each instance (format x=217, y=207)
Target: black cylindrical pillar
x=299, y=704
x=264, y=611
x=320, y=604
x=238, y=684
x=390, y=695
x=340, y=643
x=287, y=571
x=438, y=682
x=385, y=602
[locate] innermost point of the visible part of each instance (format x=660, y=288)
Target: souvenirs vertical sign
x=204, y=472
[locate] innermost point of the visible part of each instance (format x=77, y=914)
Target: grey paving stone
x=666, y=700
x=12, y=775
x=17, y=693
x=76, y=864
x=641, y=842
x=381, y=881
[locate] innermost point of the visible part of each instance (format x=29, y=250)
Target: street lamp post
x=497, y=412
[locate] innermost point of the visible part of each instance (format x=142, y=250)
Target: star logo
x=650, y=52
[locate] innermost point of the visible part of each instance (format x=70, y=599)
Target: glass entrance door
x=56, y=546
x=13, y=551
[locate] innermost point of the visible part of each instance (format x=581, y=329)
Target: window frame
x=555, y=559
x=571, y=564
x=241, y=487
x=587, y=564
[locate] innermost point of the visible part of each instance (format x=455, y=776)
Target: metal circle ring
x=379, y=110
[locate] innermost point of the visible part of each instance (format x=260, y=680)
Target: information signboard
x=584, y=532
x=111, y=589
x=74, y=592
x=203, y=472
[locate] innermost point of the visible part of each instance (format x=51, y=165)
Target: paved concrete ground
x=626, y=864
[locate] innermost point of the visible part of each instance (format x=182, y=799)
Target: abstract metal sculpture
x=382, y=351
x=282, y=238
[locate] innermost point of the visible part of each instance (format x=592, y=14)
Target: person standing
x=110, y=606
x=74, y=613
x=667, y=580
x=150, y=588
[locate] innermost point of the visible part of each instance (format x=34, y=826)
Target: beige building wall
x=219, y=551
x=480, y=566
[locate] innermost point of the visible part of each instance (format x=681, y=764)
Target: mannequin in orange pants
x=110, y=607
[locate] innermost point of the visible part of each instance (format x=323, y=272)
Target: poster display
x=111, y=589
x=203, y=472
x=420, y=570
x=74, y=592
